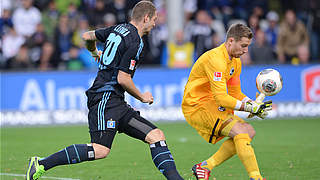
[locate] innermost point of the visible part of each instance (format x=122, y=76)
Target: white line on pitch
x=47, y=177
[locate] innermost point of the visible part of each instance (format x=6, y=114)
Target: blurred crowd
x=46, y=34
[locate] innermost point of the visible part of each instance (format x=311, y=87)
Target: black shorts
x=109, y=113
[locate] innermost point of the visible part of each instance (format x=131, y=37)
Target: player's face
x=150, y=23
x=238, y=48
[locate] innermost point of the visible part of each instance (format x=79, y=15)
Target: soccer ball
x=269, y=82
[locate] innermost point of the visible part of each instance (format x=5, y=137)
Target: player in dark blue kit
x=108, y=112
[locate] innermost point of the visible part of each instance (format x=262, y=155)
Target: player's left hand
x=259, y=99
x=263, y=112
x=257, y=107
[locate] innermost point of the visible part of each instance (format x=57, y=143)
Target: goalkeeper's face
x=238, y=48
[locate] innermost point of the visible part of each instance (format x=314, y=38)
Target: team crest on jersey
x=132, y=64
x=111, y=124
x=231, y=71
x=220, y=108
x=217, y=76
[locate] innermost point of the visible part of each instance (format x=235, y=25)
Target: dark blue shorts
x=109, y=114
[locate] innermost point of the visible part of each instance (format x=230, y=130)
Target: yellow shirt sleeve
x=215, y=70
x=234, y=84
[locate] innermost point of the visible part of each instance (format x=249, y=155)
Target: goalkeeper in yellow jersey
x=211, y=95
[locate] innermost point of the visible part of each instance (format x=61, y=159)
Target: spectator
x=35, y=43
x=157, y=39
x=303, y=55
x=11, y=44
x=180, y=52
x=273, y=29
x=189, y=8
x=292, y=34
x=221, y=10
x=46, y=58
x=315, y=31
x=219, y=29
x=50, y=17
x=109, y=19
x=119, y=8
x=74, y=16
x=5, y=22
x=241, y=9
x=63, y=37
x=22, y=60
x=82, y=27
x=253, y=23
x=258, y=12
x=200, y=33
x=74, y=62
x=95, y=16
x=26, y=18
x=261, y=51
x=87, y=5
x=63, y=5
x=5, y=5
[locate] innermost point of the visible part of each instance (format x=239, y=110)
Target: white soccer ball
x=269, y=82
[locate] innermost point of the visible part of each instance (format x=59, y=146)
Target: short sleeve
x=102, y=34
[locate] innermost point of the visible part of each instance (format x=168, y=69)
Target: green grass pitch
x=286, y=149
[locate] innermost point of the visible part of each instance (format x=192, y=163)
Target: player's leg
x=73, y=154
x=101, y=141
x=225, y=152
x=206, y=123
x=242, y=134
x=161, y=155
x=136, y=126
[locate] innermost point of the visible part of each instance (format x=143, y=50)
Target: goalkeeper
x=211, y=95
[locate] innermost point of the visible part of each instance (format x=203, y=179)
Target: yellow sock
x=226, y=151
x=256, y=177
x=246, y=154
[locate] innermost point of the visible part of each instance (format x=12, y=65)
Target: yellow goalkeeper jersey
x=214, y=77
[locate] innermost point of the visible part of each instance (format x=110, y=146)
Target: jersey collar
x=225, y=53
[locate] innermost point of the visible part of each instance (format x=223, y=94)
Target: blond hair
x=237, y=31
x=141, y=9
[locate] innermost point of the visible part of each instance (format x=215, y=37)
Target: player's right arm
x=127, y=67
x=125, y=80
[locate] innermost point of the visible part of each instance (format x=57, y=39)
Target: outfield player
x=211, y=95
x=108, y=112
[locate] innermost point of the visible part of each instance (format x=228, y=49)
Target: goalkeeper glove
x=257, y=108
x=259, y=99
x=263, y=114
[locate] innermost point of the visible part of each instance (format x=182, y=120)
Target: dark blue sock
x=75, y=153
x=163, y=160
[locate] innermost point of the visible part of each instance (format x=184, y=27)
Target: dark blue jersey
x=122, y=49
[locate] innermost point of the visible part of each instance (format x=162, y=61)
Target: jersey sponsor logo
x=231, y=71
x=111, y=124
x=217, y=76
x=132, y=64
x=311, y=84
